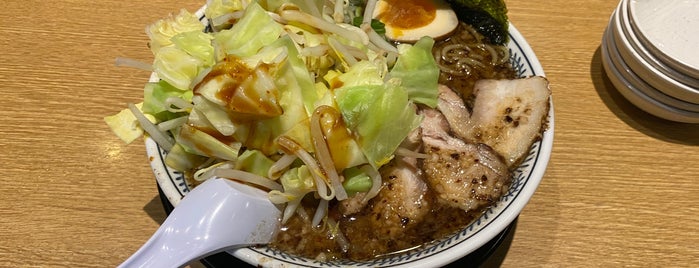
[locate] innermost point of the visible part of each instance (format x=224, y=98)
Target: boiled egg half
x=409, y=20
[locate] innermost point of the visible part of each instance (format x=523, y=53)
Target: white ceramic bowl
x=636, y=55
x=526, y=178
x=636, y=40
x=618, y=73
x=629, y=69
x=669, y=29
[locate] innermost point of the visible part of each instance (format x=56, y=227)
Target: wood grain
x=620, y=189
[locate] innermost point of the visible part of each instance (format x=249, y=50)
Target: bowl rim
x=666, y=54
x=658, y=75
x=632, y=76
x=635, y=95
x=445, y=251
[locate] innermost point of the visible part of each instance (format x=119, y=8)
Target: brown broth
x=367, y=242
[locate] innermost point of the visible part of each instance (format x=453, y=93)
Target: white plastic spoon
x=217, y=215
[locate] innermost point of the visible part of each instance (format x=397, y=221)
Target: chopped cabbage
x=380, y=115
x=197, y=44
x=163, y=30
x=196, y=141
x=256, y=29
x=217, y=8
x=255, y=162
x=297, y=94
x=155, y=98
x=298, y=181
x=181, y=49
x=260, y=74
x=418, y=72
x=215, y=114
x=179, y=159
x=125, y=125
x=176, y=67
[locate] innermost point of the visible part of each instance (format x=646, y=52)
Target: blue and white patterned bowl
x=524, y=183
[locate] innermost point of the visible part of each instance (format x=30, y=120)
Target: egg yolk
x=407, y=14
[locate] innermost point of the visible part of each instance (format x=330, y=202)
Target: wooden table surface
x=621, y=188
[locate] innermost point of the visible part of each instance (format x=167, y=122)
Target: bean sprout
x=172, y=123
x=376, y=182
x=320, y=180
x=160, y=137
x=298, y=16
x=133, y=63
x=321, y=212
x=247, y=177
x=278, y=168
x=177, y=105
x=323, y=152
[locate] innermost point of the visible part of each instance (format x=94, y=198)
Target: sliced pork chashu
x=404, y=200
x=463, y=175
x=401, y=166
x=402, y=204
x=507, y=115
x=468, y=170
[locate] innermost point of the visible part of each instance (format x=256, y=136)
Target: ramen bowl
x=490, y=224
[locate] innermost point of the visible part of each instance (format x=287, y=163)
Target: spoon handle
x=217, y=215
x=151, y=254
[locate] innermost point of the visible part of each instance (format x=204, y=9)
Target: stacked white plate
x=650, y=51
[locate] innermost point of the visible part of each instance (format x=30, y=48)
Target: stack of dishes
x=650, y=51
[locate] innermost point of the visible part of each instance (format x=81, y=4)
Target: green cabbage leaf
x=155, y=99
x=255, y=30
x=380, y=115
x=162, y=31
x=217, y=8
x=418, y=71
